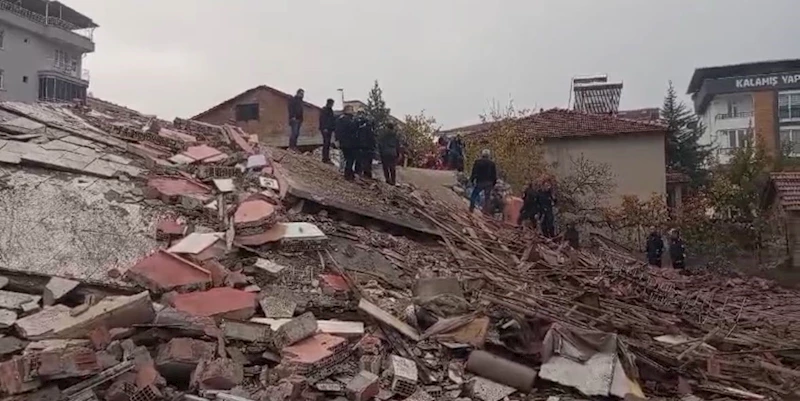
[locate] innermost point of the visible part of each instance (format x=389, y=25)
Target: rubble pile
x=255, y=293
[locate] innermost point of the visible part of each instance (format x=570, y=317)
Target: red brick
x=317, y=352
x=163, y=271
x=66, y=363
x=254, y=211
x=333, y=284
x=160, y=187
x=100, y=337
x=220, y=302
x=17, y=376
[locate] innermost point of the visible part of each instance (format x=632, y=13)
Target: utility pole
x=341, y=90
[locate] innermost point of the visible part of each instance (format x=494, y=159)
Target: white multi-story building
x=742, y=103
x=42, y=45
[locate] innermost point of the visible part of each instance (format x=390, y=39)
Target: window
x=735, y=138
x=789, y=106
x=247, y=112
x=790, y=141
x=57, y=90
x=2, y=79
x=2, y=37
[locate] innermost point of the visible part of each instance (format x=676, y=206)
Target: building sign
x=753, y=83
x=767, y=81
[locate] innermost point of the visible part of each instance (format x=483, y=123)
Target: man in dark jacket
x=295, y=117
x=530, y=206
x=327, y=124
x=546, y=200
x=366, y=145
x=484, y=178
x=456, y=152
x=346, y=135
x=655, y=248
x=677, y=250
x=389, y=149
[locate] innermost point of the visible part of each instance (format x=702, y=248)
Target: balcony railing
x=41, y=19
x=728, y=116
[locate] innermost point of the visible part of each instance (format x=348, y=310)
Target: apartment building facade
x=42, y=44
x=742, y=103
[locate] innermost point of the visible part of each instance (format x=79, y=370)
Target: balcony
x=47, y=24
x=730, y=116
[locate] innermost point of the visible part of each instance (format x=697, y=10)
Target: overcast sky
x=448, y=57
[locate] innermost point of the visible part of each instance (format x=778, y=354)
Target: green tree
x=418, y=137
x=684, y=152
x=376, y=107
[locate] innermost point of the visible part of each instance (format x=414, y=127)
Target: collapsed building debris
x=265, y=276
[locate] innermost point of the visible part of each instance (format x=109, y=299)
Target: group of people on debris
x=655, y=248
x=355, y=134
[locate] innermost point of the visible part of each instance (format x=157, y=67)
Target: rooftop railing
x=43, y=20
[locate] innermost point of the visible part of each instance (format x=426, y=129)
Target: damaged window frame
x=247, y=112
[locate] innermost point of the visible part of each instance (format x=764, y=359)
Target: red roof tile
x=787, y=186
x=559, y=123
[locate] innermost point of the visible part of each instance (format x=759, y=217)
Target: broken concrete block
x=177, y=359
x=220, y=302
x=295, y=330
x=217, y=374
x=11, y=345
x=57, y=288
x=245, y=331
x=163, y=272
x=66, y=363
x=486, y=390
x=57, y=321
x=257, y=161
x=335, y=327
x=364, y=386
x=404, y=375
x=371, y=363
x=271, y=268
x=7, y=318
x=225, y=185
x=421, y=395
x=278, y=307
x=15, y=300
x=195, y=243
x=186, y=322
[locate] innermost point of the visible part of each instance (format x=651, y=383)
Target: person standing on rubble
x=677, y=249
x=484, y=178
x=366, y=145
x=327, y=124
x=530, y=206
x=295, y=118
x=346, y=135
x=389, y=149
x=655, y=247
x=456, y=153
x=546, y=201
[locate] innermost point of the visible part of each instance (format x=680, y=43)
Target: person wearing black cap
x=346, y=135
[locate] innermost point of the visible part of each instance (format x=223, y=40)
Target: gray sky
x=448, y=57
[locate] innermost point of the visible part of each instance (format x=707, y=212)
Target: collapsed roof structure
x=144, y=259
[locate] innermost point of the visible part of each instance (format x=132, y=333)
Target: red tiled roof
x=247, y=92
x=787, y=186
x=559, y=123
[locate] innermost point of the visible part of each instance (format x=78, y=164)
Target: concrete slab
x=201, y=152
x=334, y=327
x=101, y=168
x=246, y=331
x=59, y=145
x=116, y=159
x=9, y=157
x=252, y=211
x=181, y=159
x=71, y=226
x=76, y=140
x=167, y=186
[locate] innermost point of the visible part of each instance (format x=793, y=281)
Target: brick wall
x=272, y=127
x=764, y=116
